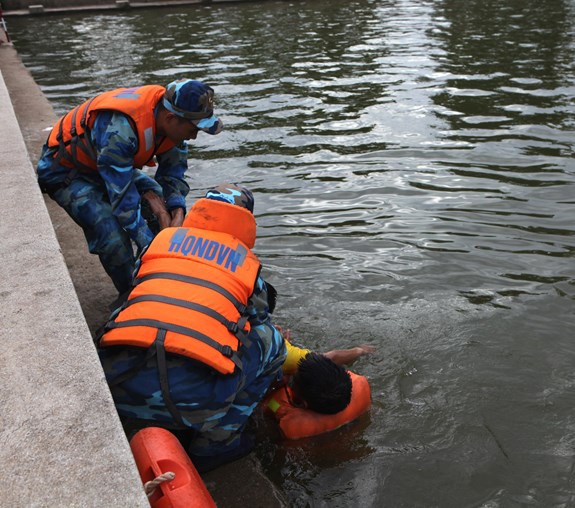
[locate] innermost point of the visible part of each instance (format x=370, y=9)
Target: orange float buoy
x=157, y=452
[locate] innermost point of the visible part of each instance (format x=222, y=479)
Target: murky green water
x=414, y=178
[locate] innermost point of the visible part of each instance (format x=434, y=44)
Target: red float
x=157, y=452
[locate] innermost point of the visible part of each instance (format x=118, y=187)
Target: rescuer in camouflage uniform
x=90, y=165
x=194, y=346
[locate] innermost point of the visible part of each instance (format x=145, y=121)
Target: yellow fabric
x=294, y=355
x=274, y=405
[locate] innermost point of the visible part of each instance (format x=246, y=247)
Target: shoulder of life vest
x=137, y=103
x=194, y=286
x=213, y=215
x=297, y=423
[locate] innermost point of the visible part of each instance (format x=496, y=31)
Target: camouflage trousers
x=86, y=202
x=215, y=406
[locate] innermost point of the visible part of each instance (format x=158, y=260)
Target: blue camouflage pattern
x=214, y=405
x=107, y=204
x=233, y=194
x=194, y=101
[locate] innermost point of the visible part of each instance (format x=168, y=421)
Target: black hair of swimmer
x=324, y=386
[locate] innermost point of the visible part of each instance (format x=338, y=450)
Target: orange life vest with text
x=297, y=423
x=191, y=292
x=72, y=131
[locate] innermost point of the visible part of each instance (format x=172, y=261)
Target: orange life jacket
x=72, y=132
x=191, y=292
x=223, y=217
x=297, y=423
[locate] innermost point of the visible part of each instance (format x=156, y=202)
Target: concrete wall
x=10, y=5
x=61, y=442
x=22, y=7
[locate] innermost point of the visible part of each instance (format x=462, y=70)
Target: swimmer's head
x=322, y=385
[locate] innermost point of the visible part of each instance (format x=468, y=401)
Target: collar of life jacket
x=223, y=218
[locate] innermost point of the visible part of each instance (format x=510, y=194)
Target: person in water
x=317, y=394
x=91, y=166
x=319, y=381
x=194, y=347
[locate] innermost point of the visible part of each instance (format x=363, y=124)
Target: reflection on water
x=413, y=169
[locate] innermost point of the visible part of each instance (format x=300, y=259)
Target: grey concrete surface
x=61, y=442
x=44, y=7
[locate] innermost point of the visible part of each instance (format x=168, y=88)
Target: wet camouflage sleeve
x=144, y=183
x=270, y=339
x=172, y=166
x=116, y=144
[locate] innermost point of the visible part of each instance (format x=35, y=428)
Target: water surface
x=413, y=169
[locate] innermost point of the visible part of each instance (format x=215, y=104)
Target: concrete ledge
x=67, y=6
x=61, y=442
x=36, y=9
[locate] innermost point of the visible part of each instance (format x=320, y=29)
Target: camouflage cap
x=194, y=101
x=234, y=194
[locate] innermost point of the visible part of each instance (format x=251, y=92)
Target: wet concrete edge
x=61, y=442
x=70, y=6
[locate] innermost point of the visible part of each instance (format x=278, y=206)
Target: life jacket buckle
x=227, y=351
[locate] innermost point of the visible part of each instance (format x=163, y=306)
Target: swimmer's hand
x=348, y=356
x=339, y=356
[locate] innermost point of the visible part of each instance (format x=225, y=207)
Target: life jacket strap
x=197, y=281
x=87, y=147
x=163, y=377
x=61, y=153
x=157, y=349
x=235, y=327
x=226, y=351
x=81, y=141
x=239, y=330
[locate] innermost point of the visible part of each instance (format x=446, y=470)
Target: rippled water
x=414, y=178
